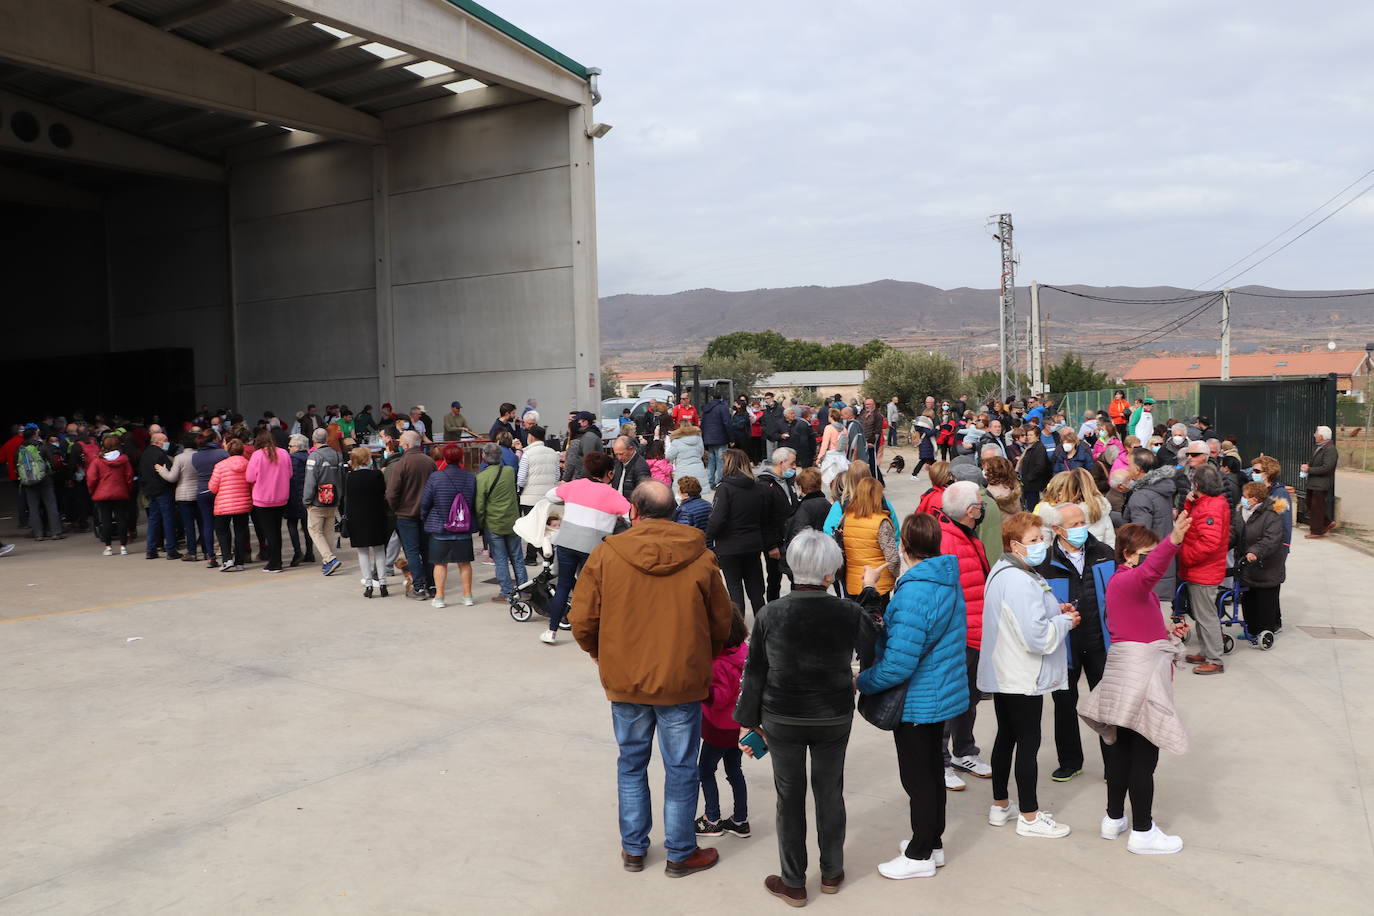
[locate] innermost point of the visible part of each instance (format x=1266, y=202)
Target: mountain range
x=652, y=331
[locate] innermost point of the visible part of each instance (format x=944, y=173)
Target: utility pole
x=1225, y=334
x=1037, y=354
x=1030, y=349
x=1006, y=326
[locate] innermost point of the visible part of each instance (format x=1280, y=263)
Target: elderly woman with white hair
x=1320, y=474
x=798, y=694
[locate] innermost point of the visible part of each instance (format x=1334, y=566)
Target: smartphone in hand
x=755, y=741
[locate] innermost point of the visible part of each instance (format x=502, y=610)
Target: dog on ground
x=898, y=463
x=404, y=569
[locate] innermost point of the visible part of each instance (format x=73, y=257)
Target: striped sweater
x=590, y=512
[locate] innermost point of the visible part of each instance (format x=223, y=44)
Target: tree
x=744, y=368
x=795, y=355
x=610, y=383
x=910, y=375
x=1069, y=374
x=988, y=384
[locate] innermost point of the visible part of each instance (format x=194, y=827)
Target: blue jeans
x=191, y=522
x=679, y=731
x=715, y=457
x=161, y=524
x=508, y=554
x=412, y=541
x=734, y=775
x=569, y=565
x=206, y=502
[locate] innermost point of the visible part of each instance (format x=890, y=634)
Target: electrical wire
x=1300, y=234
x=1367, y=292
x=1124, y=301
x=1177, y=323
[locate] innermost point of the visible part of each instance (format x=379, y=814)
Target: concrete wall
x=169, y=277
x=304, y=279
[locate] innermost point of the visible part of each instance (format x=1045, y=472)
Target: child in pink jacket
x=720, y=737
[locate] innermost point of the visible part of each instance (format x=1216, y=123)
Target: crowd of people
x=1037, y=558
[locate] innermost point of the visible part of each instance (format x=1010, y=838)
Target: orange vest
x=861, y=548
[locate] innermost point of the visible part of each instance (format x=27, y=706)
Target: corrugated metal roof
x=231, y=20
x=151, y=9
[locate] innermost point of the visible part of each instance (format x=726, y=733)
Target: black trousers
x=1261, y=609
x=773, y=569
x=922, y=768
x=1018, y=731
x=1068, y=742
x=110, y=514
x=267, y=519
x=924, y=462
x=743, y=575
x=1131, y=763
x=788, y=746
x=235, y=547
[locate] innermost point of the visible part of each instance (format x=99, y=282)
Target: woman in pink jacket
x=269, y=473
x=233, y=502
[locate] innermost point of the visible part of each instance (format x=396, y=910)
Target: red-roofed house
x=1350, y=367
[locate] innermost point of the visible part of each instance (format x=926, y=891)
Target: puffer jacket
x=686, y=453
x=930, y=501
x=1262, y=535
x=1152, y=505
x=695, y=512
x=715, y=423
x=925, y=631
x=295, y=507
x=1202, y=555
x=110, y=479
x=441, y=489
x=233, y=492
x=1026, y=633
x=718, y=725
x=973, y=573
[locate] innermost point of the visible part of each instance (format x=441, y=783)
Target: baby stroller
x=537, y=528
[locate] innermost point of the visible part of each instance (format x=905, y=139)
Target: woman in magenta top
x=269, y=472
x=1134, y=616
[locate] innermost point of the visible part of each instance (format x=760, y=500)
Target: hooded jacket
x=740, y=515
x=1023, y=652
x=271, y=480
x=651, y=607
x=923, y=645
x=233, y=492
x=718, y=725
x=973, y=572
x=1152, y=505
x=110, y=479
x=1202, y=555
x=715, y=423
x=1262, y=535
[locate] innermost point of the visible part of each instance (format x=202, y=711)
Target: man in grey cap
x=455, y=424
x=588, y=440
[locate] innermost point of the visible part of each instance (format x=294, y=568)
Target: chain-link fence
x=1174, y=401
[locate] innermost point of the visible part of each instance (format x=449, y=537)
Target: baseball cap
x=1149, y=400
x=456, y=404
x=30, y=425
x=586, y=415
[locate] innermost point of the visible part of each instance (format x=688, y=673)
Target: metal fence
x=1178, y=402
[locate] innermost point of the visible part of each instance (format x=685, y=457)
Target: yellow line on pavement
x=114, y=604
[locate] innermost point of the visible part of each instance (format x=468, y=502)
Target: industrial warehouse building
x=262, y=204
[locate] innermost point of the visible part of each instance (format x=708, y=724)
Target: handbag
x=884, y=708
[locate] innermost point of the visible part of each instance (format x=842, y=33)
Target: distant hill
x=649, y=331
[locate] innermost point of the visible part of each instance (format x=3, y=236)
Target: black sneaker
x=419, y=594
x=708, y=828
x=735, y=828
x=1064, y=774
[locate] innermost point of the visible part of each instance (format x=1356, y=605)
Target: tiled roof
x=1250, y=365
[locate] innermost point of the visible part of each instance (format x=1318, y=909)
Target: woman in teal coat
x=924, y=649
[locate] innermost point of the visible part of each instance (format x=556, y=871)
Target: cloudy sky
x=767, y=143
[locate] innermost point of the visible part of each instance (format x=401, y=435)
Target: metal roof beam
x=351, y=73
x=191, y=14
x=81, y=40
x=287, y=58
x=100, y=144
x=166, y=122
x=250, y=35
x=273, y=146
x=373, y=96
x=459, y=103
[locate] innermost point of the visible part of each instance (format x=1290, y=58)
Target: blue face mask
x=790, y=473
x=1036, y=553
x=1246, y=501
x=1257, y=476
x=1076, y=536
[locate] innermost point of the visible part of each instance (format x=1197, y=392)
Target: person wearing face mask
x=1266, y=470
x=777, y=481
x=1024, y=630
x=1174, y=445
x=1078, y=567
x=1257, y=538
x=1132, y=708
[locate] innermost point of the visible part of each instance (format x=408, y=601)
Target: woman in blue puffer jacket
x=924, y=649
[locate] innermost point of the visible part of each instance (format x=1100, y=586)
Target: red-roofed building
x=1350, y=367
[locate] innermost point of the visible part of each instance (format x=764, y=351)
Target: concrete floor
x=181, y=740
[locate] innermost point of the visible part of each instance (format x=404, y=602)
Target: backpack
x=459, y=516
x=32, y=468
x=325, y=495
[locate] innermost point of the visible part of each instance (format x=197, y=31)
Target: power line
x=1300, y=235
x=1288, y=229
x=1367, y=292
x=1124, y=301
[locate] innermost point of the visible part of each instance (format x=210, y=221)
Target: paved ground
x=180, y=740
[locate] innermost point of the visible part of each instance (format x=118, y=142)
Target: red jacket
x=973, y=573
x=110, y=479
x=1202, y=556
x=930, y=501
x=7, y=454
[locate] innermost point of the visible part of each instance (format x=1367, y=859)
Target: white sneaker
x=1044, y=825
x=123, y=551
x=952, y=781
x=998, y=816
x=548, y=636
x=109, y=552
x=467, y=601
x=1153, y=842
x=936, y=855
x=974, y=765
x=901, y=868
x=1113, y=827
x=438, y=602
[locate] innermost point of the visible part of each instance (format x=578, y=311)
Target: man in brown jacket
x=651, y=610
x=405, y=485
